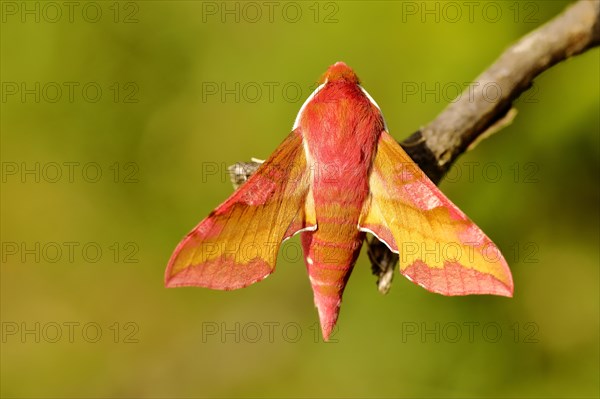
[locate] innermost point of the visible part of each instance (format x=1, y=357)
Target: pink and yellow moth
x=337, y=176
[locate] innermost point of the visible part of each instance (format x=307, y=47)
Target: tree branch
x=461, y=124
x=436, y=146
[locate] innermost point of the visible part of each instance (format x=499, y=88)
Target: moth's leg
x=383, y=263
x=241, y=171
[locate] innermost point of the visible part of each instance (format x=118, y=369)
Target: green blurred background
x=157, y=133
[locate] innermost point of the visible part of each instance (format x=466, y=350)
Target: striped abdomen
x=330, y=253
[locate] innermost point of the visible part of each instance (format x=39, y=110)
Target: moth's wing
x=237, y=244
x=439, y=247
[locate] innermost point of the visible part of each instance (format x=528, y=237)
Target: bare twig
x=436, y=146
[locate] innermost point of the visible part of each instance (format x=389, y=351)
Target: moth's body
x=337, y=175
x=340, y=127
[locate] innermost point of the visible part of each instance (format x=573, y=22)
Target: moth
x=336, y=177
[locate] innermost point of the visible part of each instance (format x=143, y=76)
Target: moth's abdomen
x=330, y=254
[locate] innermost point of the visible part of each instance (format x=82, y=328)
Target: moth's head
x=339, y=72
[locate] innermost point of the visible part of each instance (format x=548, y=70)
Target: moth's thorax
x=341, y=125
